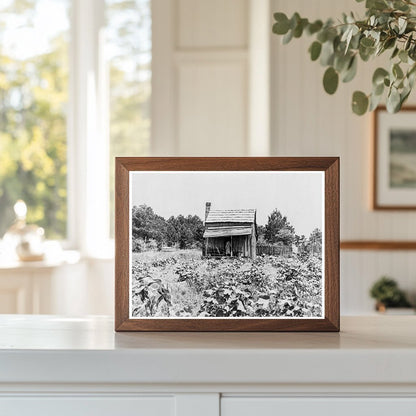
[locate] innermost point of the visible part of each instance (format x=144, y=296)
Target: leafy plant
x=389, y=27
x=148, y=292
x=386, y=292
x=236, y=287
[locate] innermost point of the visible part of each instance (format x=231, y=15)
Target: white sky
x=298, y=195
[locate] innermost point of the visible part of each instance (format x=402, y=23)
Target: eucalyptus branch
x=389, y=25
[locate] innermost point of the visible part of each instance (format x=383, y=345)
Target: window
x=75, y=87
x=129, y=43
x=33, y=101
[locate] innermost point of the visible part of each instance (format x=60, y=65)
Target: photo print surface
x=224, y=244
x=402, y=158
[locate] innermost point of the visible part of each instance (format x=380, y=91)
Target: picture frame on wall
x=227, y=244
x=394, y=159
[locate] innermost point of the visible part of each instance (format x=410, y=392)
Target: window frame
x=87, y=133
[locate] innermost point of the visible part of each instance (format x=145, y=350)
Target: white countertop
x=50, y=349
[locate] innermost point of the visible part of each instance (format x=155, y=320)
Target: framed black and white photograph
x=394, y=159
x=236, y=244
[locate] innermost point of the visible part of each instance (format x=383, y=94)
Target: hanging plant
x=388, y=27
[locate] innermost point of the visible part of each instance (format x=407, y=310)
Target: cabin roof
x=224, y=231
x=231, y=215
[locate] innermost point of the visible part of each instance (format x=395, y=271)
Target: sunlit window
x=36, y=108
x=129, y=46
x=33, y=102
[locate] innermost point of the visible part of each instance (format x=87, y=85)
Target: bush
x=386, y=291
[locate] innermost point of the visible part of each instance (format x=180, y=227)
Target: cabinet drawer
x=87, y=406
x=273, y=406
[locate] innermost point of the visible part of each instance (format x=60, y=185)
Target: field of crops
x=181, y=283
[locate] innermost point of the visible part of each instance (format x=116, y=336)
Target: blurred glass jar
x=25, y=241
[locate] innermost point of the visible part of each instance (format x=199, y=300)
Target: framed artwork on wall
x=394, y=159
x=227, y=244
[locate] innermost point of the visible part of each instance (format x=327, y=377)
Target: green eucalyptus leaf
x=330, y=80
x=367, y=42
x=393, y=101
x=400, y=5
x=395, y=52
x=403, y=56
x=376, y=4
x=314, y=27
x=374, y=101
x=294, y=20
x=327, y=54
x=281, y=27
x=404, y=96
x=322, y=36
x=359, y=103
x=412, y=70
x=379, y=75
x=412, y=52
x=389, y=43
x=397, y=71
x=408, y=42
x=378, y=89
x=298, y=30
x=355, y=41
x=351, y=70
x=332, y=33
x=341, y=61
x=411, y=78
x=400, y=85
x=315, y=50
x=366, y=53
x=288, y=37
x=337, y=44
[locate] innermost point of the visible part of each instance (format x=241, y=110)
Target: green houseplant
x=387, y=294
x=389, y=27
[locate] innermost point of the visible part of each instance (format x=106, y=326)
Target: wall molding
x=378, y=245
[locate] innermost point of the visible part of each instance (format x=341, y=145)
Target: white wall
x=308, y=122
x=202, y=84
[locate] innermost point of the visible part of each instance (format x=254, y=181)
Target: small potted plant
x=387, y=294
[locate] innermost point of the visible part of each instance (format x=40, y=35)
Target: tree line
x=278, y=230
x=152, y=231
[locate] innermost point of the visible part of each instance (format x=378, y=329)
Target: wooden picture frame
x=135, y=171
x=394, y=184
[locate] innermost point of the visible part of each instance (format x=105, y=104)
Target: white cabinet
x=55, y=365
x=88, y=406
x=271, y=406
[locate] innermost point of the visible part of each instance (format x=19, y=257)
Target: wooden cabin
x=231, y=233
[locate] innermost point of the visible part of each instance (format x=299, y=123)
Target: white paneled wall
x=204, y=73
x=212, y=24
x=306, y=121
x=212, y=103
